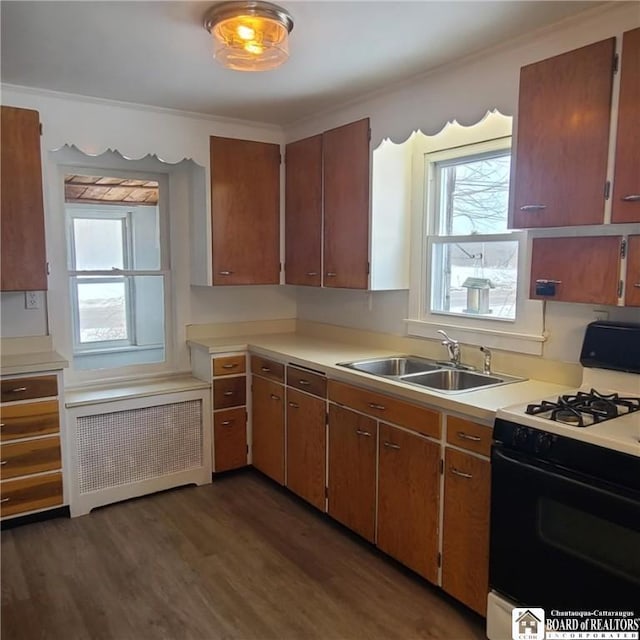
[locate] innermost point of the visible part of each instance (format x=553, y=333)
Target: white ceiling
x=158, y=53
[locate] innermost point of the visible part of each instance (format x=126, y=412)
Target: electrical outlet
x=600, y=314
x=31, y=300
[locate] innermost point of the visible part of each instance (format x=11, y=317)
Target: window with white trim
x=118, y=283
x=468, y=269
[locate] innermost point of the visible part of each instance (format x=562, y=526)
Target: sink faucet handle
x=447, y=339
x=487, y=359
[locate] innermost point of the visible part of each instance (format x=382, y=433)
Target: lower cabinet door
x=465, y=557
x=306, y=446
x=408, y=500
x=29, y=494
x=352, y=470
x=267, y=414
x=230, y=439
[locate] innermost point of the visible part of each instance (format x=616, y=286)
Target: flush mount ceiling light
x=249, y=36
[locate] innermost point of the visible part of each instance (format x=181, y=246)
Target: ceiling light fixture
x=249, y=36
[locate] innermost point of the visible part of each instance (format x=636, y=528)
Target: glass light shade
x=251, y=36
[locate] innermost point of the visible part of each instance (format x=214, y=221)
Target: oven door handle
x=499, y=455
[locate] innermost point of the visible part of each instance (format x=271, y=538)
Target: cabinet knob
x=331, y=274
x=228, y=393
x=312, y=273
x=275, y=397
x=225, y=273
x=226, y=423
x=303, y=383
x=632, y=197
x=636, y=285
x=265, y=369
x=3, y=462
x=533, y=207
x=294, y=405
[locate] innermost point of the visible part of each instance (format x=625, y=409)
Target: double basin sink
x=440, y=376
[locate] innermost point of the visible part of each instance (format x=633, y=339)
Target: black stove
x=584, y=408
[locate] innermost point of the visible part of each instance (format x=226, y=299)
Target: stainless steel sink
x=393, y=367
x=452, y=380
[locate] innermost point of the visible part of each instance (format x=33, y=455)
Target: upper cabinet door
x=245, y=211
x=346, y=206
x=564, y=114
x=303, y=212
x=626, y=182
x=24, y=263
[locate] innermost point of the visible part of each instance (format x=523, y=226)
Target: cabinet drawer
x=27, y=388
x=469, y=435
x=229, y=392
x=27, y=420
x=30, y=456
x=230, y=439
x=267, y=368
x=313, y=383
x=227, y=365
x=389, y=409
x=30, y=494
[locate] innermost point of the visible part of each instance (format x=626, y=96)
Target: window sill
x=493, y=338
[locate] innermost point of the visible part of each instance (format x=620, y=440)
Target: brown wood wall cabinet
x=465, y=549
x=245, y=211
x=31, y=459
x=408, y=500
x=576, y=269
x=632, y=286
x=23, y=255
x=625, y=206
x=564, y=115
x=229, y=395
x=327, y=208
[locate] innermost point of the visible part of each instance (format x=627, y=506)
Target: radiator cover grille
x=129, y=446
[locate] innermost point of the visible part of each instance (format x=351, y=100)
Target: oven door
x=562, y=540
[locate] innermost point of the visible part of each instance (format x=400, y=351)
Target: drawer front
x=229, y=392
x=313, y=383
x=267, y=368
x=27, y=388
x=27, y=420
x=228, y=365
x=230, y=439
x=411, y=416
x=30, y=494
x=30, y=456
x=469, y=435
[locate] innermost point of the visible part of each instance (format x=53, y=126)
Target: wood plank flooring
x=238, y=559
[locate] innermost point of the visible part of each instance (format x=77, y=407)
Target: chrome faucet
x=487, y=360
x=452, y=347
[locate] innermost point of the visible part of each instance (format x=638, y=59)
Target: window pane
x=145, y=238
x=98, y=243
x=102, y=310
x=475, y=278
x=474, y=196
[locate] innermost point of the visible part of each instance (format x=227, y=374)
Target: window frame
x=525, y=333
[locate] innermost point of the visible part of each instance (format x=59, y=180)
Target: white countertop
x=16, y=364
x=323, y=355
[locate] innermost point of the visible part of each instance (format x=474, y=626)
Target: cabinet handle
x=465, y=436
x=461, y=474
x=230, y=366
x=533, y=207
x=331, y=274
x=3, y=462
x=226, y=423
x=5, y=500
x=636, y=285
x=265, y=369
x=391, y=445
x=294, y=405
x=632, y=197
x=304, y=383
x=2, y=424
x=225, y=273
x=275, y=397
x=379, y=407
x=228, y=393
x=366, y=434
x=312, y=273
x=18, y=390
x=545, y=281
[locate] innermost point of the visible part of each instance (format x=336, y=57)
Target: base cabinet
x=306, y=446
x=230, y=439
x=352, y=470
x=465, y=549
x=268, y=427
x=408, y=500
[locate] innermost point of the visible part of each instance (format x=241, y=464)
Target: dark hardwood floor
x=236, y=559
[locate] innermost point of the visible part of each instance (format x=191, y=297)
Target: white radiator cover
x=132, y=447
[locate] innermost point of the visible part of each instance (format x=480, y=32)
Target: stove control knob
x=521, y=437
x=543, y=443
